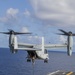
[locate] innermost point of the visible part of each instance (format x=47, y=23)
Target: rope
x=33, y=63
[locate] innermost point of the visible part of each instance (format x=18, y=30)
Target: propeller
x=66, y=33
x=15, y=33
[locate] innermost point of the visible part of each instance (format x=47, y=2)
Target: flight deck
x=62, y=73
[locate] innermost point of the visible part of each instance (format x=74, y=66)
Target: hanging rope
x=33, y=63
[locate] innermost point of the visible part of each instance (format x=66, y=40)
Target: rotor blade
x=16, y=33
x=73, y=34
x=64, y=31
x=5, y=32
x=60, y=34
x=21, y=33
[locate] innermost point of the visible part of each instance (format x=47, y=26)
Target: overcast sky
x=41, y=17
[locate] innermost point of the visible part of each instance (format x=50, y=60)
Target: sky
x=40, y=17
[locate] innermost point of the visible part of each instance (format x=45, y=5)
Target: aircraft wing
x=34, y=47
x=27, y=47
x=48, y=46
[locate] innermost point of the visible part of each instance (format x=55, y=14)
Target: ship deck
x=62, y=73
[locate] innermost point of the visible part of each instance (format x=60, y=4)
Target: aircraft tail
x=43, y=44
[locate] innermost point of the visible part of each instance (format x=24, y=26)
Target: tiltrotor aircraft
x=38, y=51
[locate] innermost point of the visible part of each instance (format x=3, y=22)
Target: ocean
x=15, y=64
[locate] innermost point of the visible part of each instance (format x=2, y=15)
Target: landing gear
x=28, y=60
x=46, y=61
x=31, y=56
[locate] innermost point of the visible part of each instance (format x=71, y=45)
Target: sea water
x=15, y=64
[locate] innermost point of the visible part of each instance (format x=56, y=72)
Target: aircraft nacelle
x=12, y=50
x=70, y=45
x=12, y=43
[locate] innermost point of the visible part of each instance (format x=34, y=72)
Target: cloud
x=35, y=39
x=25, y=29
x=62, y=39
x=12, y=12
x=55, y=12
x=10, y=17
x=27, y=13
x=29, y=38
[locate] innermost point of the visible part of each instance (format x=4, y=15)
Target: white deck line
x=54, y=72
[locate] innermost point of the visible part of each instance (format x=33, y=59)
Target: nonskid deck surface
x=62, y=73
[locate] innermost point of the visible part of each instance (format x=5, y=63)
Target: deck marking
x=69, y=73
x=63, y=73
x=54, y=72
